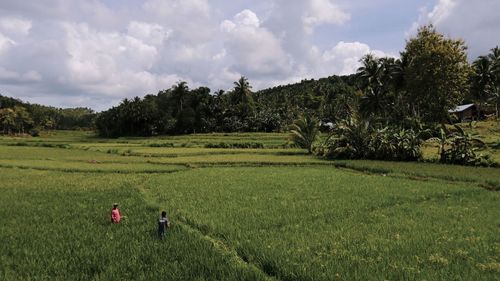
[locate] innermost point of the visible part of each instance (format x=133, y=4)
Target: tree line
x=181, y=110
x=17, y=117
x=431, y=76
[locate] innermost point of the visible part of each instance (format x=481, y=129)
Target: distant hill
x=16, y=114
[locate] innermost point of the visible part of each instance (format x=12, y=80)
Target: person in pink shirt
x=115, y=214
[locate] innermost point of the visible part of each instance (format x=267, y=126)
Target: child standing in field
x=163, y=224
x=115, y=214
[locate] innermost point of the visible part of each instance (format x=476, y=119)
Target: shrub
x=305, y=132
x=460, y=148
x=357, y=139
x=254, y=145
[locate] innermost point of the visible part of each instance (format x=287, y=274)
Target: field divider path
x=68, y=170
x=223, y=247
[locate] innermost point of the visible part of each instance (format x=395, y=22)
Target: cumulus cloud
x=323, y=12
x=15, y=26
x=149, y=33
x=115, y=64
x=345, y=56
x=191, y=21
x=476, y=22
x=254, y=49
x=94, y=53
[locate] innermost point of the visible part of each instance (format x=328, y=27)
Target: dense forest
x=17, y=117
x=181, y=110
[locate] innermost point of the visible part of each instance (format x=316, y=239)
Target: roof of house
x=461, y=108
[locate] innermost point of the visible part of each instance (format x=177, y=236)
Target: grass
x=56, y=228
x=479, y=175
x=238, y=214
x=318, y=222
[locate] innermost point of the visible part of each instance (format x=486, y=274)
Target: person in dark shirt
x=163, y=224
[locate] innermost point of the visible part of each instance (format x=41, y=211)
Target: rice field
x=268, y=213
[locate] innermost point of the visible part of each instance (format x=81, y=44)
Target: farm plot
x=239, y=214
x=55, y=226
x=488, y=177
x=319, y=223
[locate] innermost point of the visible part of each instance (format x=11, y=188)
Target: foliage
x=356, y=138
x=486, y=79
x=235, y=145
x=305, y=132
x=463, y=148
x=459, y=147
x=31, y=116
x=436, y=74
x=482, y=85
x=16, y=119
x=349, y=140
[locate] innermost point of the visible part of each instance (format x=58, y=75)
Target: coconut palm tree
x=494, y=56
x=242, y=97
x=482, y=80
x=179, y=92
x=305, y=132
x=371, y=72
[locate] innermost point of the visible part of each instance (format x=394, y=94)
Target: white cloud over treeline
x=88, y=53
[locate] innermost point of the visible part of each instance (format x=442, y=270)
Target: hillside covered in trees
x=18, y=117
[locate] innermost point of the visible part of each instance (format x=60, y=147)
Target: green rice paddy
x=270, y=213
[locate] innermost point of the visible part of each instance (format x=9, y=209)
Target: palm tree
x=494, y=56
x=371, y=73
x=243, y=90
x=242, y=97
x=179, y=92
x=305, y=132
x=482, y=80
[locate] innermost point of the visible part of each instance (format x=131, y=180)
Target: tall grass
x=319, y=223
x=57, y=228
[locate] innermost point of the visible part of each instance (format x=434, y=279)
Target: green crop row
x=319, y=223
x=490, y=177
x=56, y=227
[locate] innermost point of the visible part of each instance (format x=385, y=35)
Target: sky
x=94, y=53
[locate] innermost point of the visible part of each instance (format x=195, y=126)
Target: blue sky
x=94, y=53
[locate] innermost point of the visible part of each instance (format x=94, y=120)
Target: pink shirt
x=115, y=216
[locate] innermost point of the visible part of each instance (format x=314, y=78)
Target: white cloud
x=247, y=18
x=475, y=21
x=112, y=63
x=5, y=44
x=15, y=26
x=173, y=7
x=323, y=12
x=94, y=53
x=149, y=33
x=254, y=49
x=344, y=57
x=191, y=21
